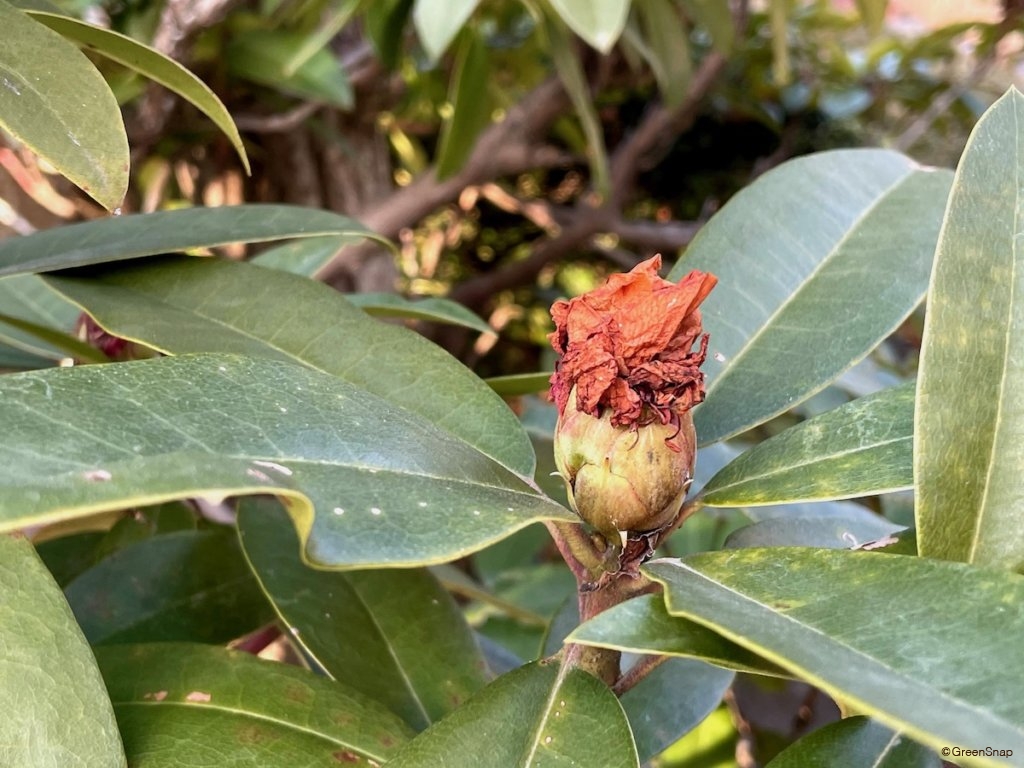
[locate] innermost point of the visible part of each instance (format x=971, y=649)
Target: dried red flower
x=627, y=346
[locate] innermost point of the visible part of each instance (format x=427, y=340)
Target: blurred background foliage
x=521, y=150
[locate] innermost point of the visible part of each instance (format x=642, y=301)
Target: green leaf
x=715, y=16
x=970, y=416
x=838, y=532
x=469, y=104
x=393, y=635
x=431, y=308
x=301, y=257
x=520, y=383
x=69, y=556
x=263, y=56
x=70, y=345
x=151, y=64
x=817, y=262
x=131, y=597
x=147, y=234
x=861, y=742
x=385, y=21
x=178, y=704
x=437, y=22
x=388, y=486
x=60, y=107
x=873, y=14
x=333, y=22
x=28, y=298
x=560, y=46
x=884, y=633
x=859, y=449
x=671, y=701
x=599, y=22
x=668, y=54
x=165, y=304
x=56, y=711
x=539, y=714
x=643, y=625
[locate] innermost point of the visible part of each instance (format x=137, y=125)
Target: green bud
x=622, y=479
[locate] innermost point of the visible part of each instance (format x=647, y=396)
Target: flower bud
x=621, y=479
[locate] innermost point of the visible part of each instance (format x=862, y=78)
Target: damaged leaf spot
x=198, y=697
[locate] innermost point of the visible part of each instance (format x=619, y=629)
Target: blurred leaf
x=147, y=234
x=560, y=46
x=599, y=22
x=60, y=107
x=643, y=625
x=778, y=14
x=672, y=700
x=163, y=303
x=520, y=383
x=385, y=25
x=129, y=597
x=263, y=56
x=437, y=22
x=715, y=16
x=178, y=704
x=151, y=64
x=334, y=20
x=884, y=633
x=434, y=309
x=393, y=635
x=873, y=14
x=861, y=742
x=539, y=714
x=859, y=449
x=223, y=425
x=817, y=261
x=823, y=532
x=667, y=39
x=970, y=416
x=56, y=710
x=27, y=297
x=469, y=104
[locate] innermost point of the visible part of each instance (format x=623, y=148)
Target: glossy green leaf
x=867, y=530
x=56, y=711
x=147, y=234
x=27, y=297
x=129, y=597
x=301, y=257
x=817, y=262
x=430, y=308
x=668, y=48
x=395, y=635
x=537, y=715
x=884, y=633
x=672, y=700
x=643, y=625
x=60, y=107
x=861, y=743
x=180, y=705
x=151, y=64
x=560, y=46
x=859, y=449
x=599, y=22
x=715, y=16
x=469, y=104
x=263, y=56
x=520, y=383
x=969, y=450
x=437, y=22
x=166, y=304
x=388, y=486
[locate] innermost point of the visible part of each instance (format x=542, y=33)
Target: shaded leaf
x=152, y=64
x=970, y=416
x=438, y=21
x=599, y=22
x=128, y=597
x=520, y=383
x=147, y=234
x=668, y=54
x=430, y=308
x=385, y=21
x=825, y=532
x=536, y=715
x=817, y=262
x=394, y=635
x=859, y=449
x=56, y=710
x=469, y=104
x=165, y=305
x=60, y=107
x=178, y=703
x=884, y=633
x=87, y=439
x=27, y=297
x=862, y=744
x=69, y=556
x=301, y=257
x=643, y=625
